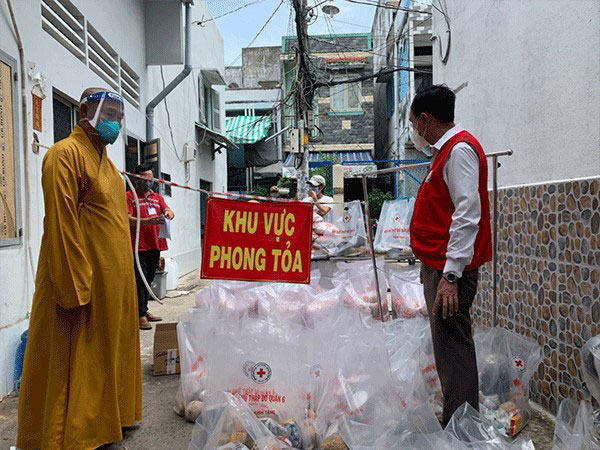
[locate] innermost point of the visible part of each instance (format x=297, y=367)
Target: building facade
x=343, y=113
x=123, y=46
x=402, y=39
x=515, y=92
x=253, y=110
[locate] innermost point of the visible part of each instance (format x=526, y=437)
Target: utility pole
x=304, y=93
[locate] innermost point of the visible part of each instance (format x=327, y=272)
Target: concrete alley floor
x=161, y=428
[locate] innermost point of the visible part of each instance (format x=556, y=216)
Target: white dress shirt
x=461, y=175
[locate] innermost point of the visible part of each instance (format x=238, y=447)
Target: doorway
x=206, y=185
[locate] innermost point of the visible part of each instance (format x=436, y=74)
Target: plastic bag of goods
x=360, y=287
x=226, y=298
x=475, y=431
x=506, y=362
x=414, y=372
x=193, y=332
x=350, y=224
x=227, y=423
x=354, y=380
x=577, y=426
x=590, y=354
x=282, y=302
x=265, y=364
x=327, y=237
x=393, y=234
x=408, y=299
x=416, y=428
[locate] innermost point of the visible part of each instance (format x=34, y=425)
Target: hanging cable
x=136, y=252
x=202, y=22
x=259, y=31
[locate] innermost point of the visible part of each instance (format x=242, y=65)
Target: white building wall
x=532, y=70
x=121, y=23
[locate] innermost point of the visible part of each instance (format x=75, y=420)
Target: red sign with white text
x=257, y=241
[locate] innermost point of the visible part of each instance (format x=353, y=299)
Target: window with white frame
x=346, y=97
x=209, y=105
x=216, y=110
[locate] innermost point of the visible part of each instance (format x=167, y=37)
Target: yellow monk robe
x=82, y=374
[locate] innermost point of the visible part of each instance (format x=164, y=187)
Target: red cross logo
x=519, y=363
x=317, y=371
x=346, y=218
x=517, y=382
x=261, y=373
x=396, y=218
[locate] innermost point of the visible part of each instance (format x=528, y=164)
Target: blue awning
x=343, y=157
x=354, y=163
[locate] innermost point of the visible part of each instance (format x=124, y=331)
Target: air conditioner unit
x=189, y=153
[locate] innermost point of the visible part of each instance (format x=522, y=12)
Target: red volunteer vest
x=432, y=215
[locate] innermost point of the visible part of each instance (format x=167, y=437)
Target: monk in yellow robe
x=82, y=373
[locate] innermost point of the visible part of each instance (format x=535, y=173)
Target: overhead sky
x=239, y=28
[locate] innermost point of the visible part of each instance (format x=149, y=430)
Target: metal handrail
x=494, y=157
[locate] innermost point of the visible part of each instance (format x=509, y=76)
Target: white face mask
x=419, y=141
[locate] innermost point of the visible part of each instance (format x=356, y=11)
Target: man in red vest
x=153, y=212
x=450, y=234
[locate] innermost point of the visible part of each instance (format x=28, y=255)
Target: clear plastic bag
x=359, y=288
x=228, y=423
x=354, y=381
x=393, y=234
x=476, y=432
x=577, y=426
x=506, y=362
x=264, y=363
x=350, y=224
x=414, y=372
x=590, y=354
x=408, y=299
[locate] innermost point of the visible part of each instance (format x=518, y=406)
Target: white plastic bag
x=393, y=234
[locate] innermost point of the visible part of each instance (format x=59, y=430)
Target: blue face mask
x=108, y=131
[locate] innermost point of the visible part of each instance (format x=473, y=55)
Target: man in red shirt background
x=153, y=211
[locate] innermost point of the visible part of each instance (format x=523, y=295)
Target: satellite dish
x=331, y=8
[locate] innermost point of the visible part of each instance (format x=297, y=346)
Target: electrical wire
x=377, y=5
x=162, y=77
x=137, y=239
x=202, y=22
x=259, y=31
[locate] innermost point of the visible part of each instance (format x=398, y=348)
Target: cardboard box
x=166, y=349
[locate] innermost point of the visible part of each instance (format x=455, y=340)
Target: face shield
x=107, y=113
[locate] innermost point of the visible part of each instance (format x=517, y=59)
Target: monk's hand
x=446, y=298
x=169, y=214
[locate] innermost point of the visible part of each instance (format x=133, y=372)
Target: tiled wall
x=548, y=279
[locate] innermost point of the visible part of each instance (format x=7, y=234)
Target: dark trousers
x=453, y=345
x=149, y=262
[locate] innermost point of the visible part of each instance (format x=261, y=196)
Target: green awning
x=247, y=129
